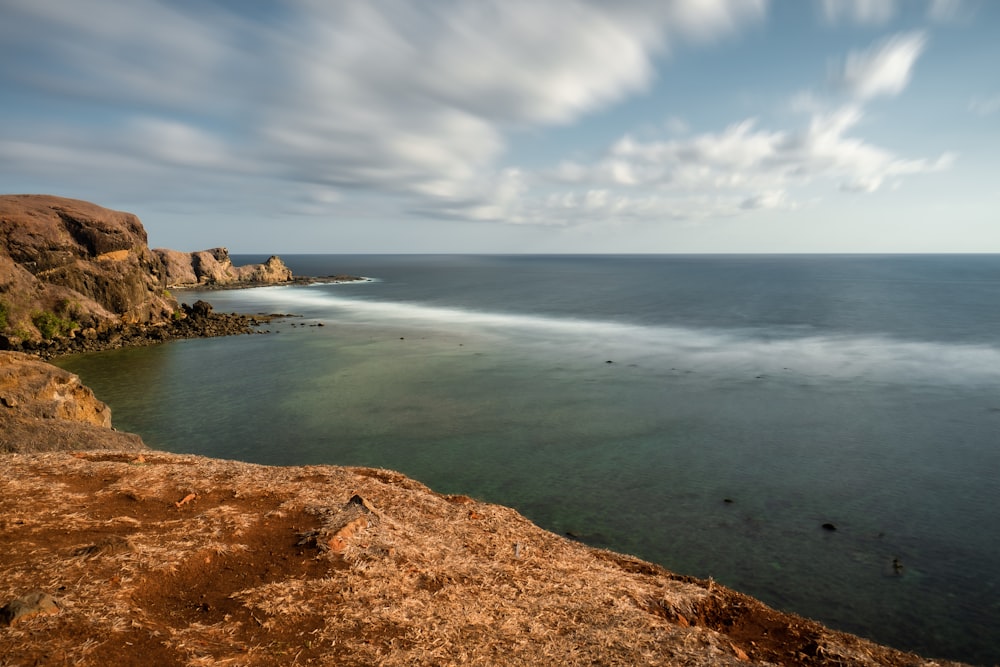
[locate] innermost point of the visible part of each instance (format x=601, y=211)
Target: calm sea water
x=706, y=413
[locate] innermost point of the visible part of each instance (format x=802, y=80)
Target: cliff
x=215, y=268
x=76, y=277
x=67, y=264
x=144, y=557
x=43, y=408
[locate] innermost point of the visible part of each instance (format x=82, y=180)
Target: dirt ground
x=159, y=559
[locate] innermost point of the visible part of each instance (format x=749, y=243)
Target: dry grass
x=284, y=566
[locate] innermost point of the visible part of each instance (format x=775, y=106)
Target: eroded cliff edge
x=127, y=556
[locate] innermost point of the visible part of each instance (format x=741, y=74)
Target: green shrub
x=4, y=315
x=51, y=325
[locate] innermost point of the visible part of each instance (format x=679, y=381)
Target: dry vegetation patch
x=165, y=559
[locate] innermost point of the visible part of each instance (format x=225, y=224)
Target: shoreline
x=198, y=320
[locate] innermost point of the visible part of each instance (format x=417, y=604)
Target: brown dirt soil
x=283, y=566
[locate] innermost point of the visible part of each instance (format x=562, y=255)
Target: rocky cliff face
x=214, y=267
x=67, y=264
x=44, y=408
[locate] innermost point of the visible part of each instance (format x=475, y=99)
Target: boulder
x=271, y=271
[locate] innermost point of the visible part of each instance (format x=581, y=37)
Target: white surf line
x=838, y=356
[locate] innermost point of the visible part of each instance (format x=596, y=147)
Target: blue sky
x=514, y=125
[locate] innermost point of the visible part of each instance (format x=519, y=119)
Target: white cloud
x=742, y=167
x=141, y=52
x=406, y=98
x=864, y=12
x=884, y=69
x=985, y=105
x=175, y=143
x=412, y=102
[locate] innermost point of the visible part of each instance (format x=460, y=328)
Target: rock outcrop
x=215, y=268
x=44, y=408
x=70, y=265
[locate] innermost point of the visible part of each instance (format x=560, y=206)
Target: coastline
x=199, y=321
x=110, y=291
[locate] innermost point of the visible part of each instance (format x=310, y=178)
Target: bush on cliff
x=51, y=325
x=4, y=313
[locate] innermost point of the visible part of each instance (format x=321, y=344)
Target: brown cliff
x=44, y=408
x=70, y=265
x=214, y=267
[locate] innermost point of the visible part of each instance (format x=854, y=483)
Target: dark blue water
x=858, y=391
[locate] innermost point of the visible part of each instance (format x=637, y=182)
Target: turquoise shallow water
x=835, y=410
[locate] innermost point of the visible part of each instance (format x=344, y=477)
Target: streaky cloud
x=884, y=69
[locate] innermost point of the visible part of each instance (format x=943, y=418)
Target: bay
x=626, y=399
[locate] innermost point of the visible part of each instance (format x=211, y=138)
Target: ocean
x=708, y=413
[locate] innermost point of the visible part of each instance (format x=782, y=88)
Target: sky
x=513, y=126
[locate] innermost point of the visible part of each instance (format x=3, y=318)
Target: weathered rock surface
x=215, y=268
x=78, y=264
x=166, y=559
x=44, y=408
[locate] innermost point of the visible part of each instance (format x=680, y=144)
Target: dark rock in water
x=199, y=309
x=728, y=501
x=609, y=362
x=829, y=526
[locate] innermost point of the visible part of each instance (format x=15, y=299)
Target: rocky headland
x=214, y=268
x=75, y=276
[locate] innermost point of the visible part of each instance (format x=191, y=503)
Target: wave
x=767, y=350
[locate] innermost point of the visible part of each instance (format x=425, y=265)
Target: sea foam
x=876, y=358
